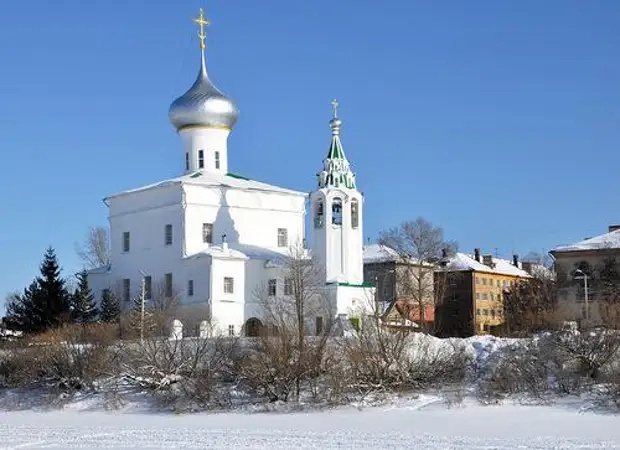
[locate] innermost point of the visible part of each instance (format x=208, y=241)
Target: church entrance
x=253, y=327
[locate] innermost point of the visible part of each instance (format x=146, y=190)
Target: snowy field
x=421, y=424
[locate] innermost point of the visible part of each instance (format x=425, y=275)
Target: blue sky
x=499, y=121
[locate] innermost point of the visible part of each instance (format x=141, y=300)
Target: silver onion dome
x=203, y=105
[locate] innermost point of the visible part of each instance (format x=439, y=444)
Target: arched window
x=355, y=214
x=319, y=214
x=337, y=211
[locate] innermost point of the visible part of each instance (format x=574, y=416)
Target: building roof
x=376, y=253
x=230, y=180
x=272, y=257
x=464, y=262
x=609, y=240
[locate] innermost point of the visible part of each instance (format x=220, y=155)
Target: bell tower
x=337, y=209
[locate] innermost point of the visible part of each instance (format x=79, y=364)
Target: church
x=212, y=239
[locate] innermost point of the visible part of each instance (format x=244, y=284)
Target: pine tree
x=109, y=311
x=52, y=299
x=83, y=306
x=44, y=304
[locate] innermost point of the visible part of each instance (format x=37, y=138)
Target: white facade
x=213, y=239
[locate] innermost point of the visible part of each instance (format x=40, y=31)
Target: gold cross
x=335, y=105
x=202, y=23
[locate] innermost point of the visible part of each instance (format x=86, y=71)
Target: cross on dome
x=202, y=23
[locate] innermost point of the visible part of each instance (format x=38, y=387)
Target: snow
x=375, y=253
x=214, y=179
x=424, y=423
x=462, y=261
x=601, y=242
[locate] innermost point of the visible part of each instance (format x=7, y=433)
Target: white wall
x=209, y=140
x=246, y=217
x=227, y=309
x=339, y=247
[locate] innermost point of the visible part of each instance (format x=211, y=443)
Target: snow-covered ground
x=425, y=423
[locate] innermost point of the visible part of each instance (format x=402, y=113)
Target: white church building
x=213, y=239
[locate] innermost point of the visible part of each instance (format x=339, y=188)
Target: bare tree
x=531, y=305
x=95, y=250
x=420, y=246
x=284, y=356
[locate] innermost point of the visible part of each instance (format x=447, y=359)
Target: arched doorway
x=253, y=327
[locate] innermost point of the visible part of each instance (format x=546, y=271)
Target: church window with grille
x=168, y=285
x=272, y=287
x=207, y=233
x=201, y=159
x=126, y=241
x=288, y=286
x=319, y=214
x=168, y=234
x=186, y=161
x=126, y=290
x=148, y=287
x=229, y=285
x=337, y=211
x=217, y=160
x=282, y=237
x=355, y=214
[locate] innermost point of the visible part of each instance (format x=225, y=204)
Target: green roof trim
x=365, y=284
x=335, y=149
x=239, y=177
x=196, y=175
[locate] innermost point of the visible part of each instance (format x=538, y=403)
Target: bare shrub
x=381, y=360
x=68, y=358
x=183, y=374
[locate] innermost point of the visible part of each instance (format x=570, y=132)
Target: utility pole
x=142, y=295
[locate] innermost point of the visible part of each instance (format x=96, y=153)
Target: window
x=477, y=296
x=355, y=215
x=126, y=241
x=493, y=313
x=231, y=330
x=288, y=286
x=484, y=296
x=282, y=237
x=319, y=326
x=485, y=312
x=337, y=211
x=477, y=311
x=490, y=281
x=168, y=285
x=271, y=288
x=477, y=280
x=190, y=288
x=207, y=233
x=126, y=290
x=484, y=281
x=186, y=161
x=148, y=287
x=229, y=285
x=217, y=160
x=319, y=215
x=105, y=293
x=168, y=234
x=201, y=159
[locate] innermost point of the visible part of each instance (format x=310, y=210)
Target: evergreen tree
x=109, y=311
x=53, y=299
x=83, y=306
x=44, y=304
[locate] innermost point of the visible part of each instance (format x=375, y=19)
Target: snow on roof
x=218, y=252
x=462, y=262
x=230, y=180
x=375, y=253
x=604, y=241
x=273, y=257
